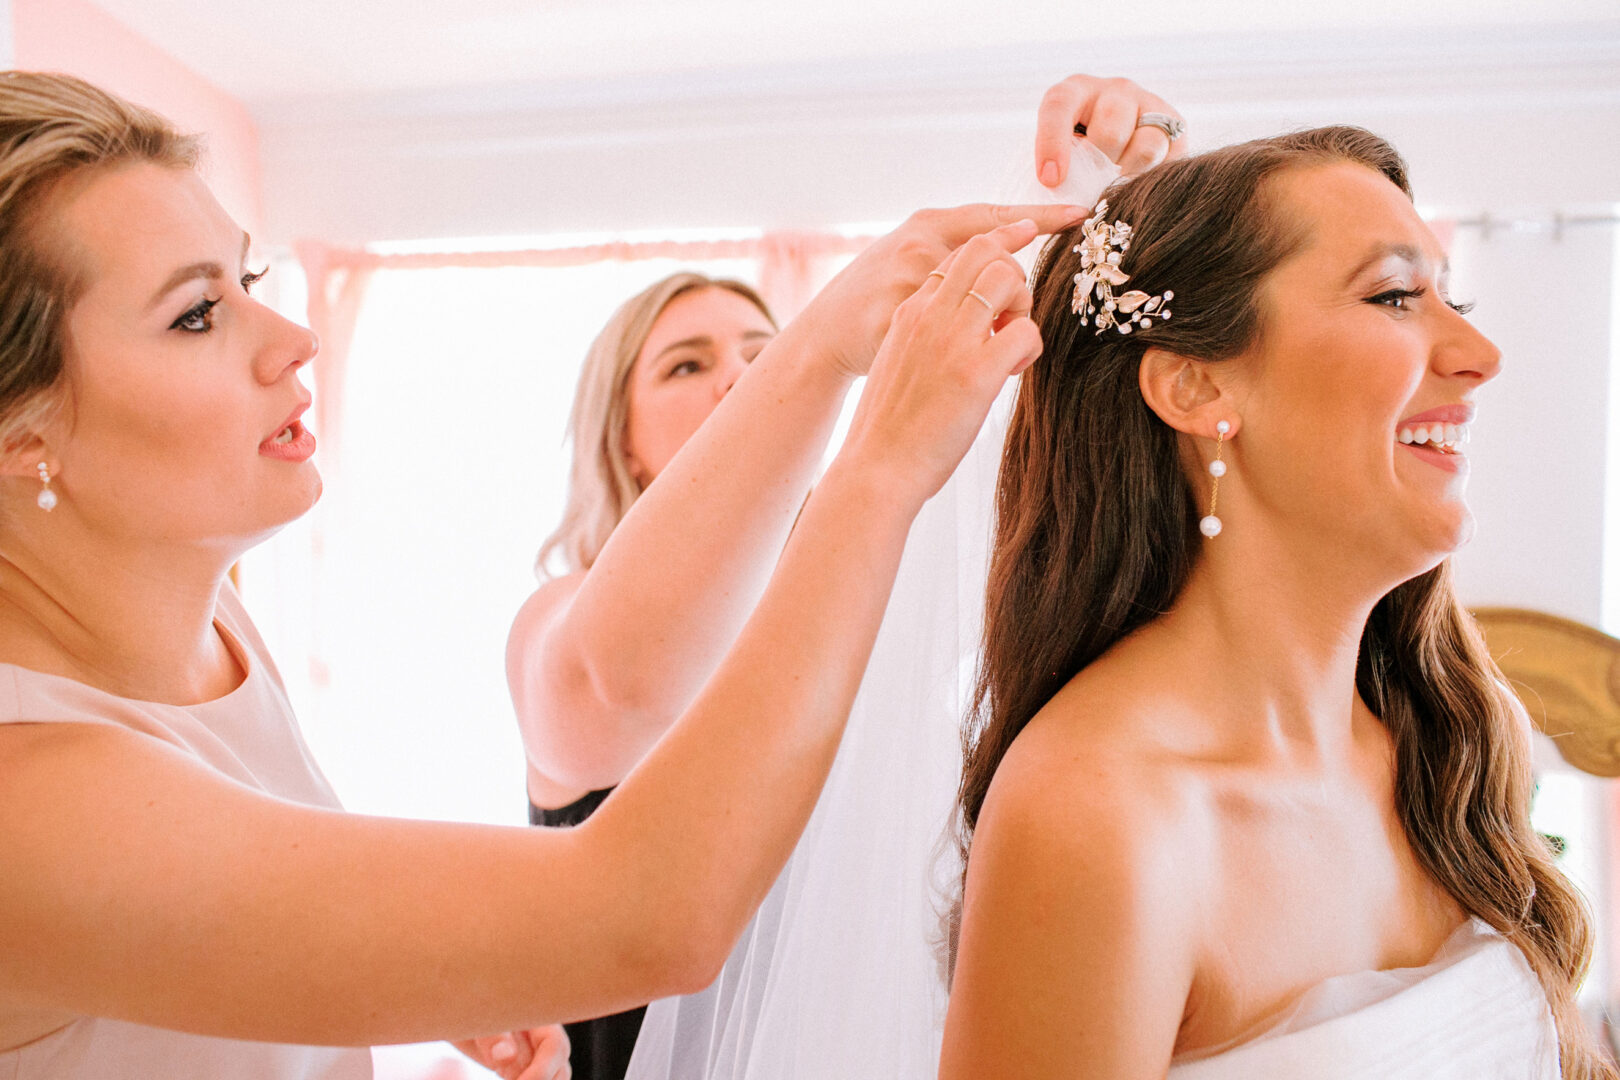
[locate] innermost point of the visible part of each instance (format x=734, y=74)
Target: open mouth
x=1443, y=438
x=286, y=434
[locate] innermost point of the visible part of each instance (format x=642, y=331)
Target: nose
x=732, y=365
x=286, y=347
x=1467, y=353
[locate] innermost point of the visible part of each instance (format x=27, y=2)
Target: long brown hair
x=1096, y=533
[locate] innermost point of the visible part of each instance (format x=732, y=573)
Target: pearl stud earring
x=47, y=497
x=1210, y=526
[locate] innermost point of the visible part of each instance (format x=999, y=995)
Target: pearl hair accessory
x=47, y=497
x=1210, y=526
x=1094, y=300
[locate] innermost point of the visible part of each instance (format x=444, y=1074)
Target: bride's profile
x=1244, y=794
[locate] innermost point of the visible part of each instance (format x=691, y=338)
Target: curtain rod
x=1556, y=223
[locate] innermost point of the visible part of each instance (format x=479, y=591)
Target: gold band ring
x=937, y=273
x=988, y=306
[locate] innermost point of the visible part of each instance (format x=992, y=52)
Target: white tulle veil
x=838, y=977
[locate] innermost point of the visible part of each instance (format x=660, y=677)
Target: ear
x=22, y=456
x=1182, y=393
x=632, y=464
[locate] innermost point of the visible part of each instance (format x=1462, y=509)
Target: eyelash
x=1413, y=294
x=198, y=319
x=697, y=365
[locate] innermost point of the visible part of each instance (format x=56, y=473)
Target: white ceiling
x=395, y=119
x=273, y=52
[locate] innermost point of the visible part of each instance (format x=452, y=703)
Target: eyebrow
x=210, y=271
x=704, y=341
x=1404, y=252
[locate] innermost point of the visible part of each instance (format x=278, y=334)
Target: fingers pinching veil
x=840, y=973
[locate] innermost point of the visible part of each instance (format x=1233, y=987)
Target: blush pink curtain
x=338, y=277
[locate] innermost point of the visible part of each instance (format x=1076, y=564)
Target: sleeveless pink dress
x=249, y=735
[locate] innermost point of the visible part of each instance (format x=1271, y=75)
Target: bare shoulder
x=1081, y=904
x=1084, y=780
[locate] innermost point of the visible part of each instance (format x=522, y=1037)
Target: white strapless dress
x=1474, y=1012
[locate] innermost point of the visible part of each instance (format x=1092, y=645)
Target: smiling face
x=1356, y=399
x=183, y=396
x=700, y=344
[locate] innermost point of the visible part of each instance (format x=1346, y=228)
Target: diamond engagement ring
x=1171, y=126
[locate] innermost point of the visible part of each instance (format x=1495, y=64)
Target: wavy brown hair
x=1096, y=533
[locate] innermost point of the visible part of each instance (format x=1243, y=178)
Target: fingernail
x=1049, y=173
x=1077, y=211
x=1026, y=223
x=502, y=1050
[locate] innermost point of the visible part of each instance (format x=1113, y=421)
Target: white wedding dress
x=838, y=975
x=1474, y=1012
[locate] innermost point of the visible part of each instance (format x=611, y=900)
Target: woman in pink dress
x=180, y=895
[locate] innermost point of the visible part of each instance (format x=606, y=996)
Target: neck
x=134, y=619
x=1277, y=628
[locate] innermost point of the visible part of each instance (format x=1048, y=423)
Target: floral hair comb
x=1094, y=300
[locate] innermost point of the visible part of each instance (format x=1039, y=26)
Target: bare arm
x=1075, y=951
x=201, y=905
x=601, y=663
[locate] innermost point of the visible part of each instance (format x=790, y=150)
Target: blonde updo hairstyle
x=600, y=486
x=54, y=128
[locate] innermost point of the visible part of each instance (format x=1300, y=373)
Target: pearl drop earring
x=1210, y=526
x=47, y=497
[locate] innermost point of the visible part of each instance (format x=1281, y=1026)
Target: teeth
x=1446, y=437
x=285, y=436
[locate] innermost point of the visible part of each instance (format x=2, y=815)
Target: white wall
x=1541, y=440
x=1488, y=118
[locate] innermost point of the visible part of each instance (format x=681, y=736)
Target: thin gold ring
x=988, y=306
x=937, y=273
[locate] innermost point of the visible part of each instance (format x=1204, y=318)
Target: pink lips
x=1445, y=414
x=302, y=445
x=1462, y=413
x=1450, y=462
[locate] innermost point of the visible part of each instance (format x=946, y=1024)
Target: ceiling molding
x=1498, y=115
x=1563, y=64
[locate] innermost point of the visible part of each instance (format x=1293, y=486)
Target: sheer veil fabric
x=840, y=974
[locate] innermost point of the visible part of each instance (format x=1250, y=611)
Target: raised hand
x=949, y=349
x=848, y=318
x=1109, y=110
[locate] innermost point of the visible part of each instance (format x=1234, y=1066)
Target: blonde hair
x=600, y=485
x=51, y=128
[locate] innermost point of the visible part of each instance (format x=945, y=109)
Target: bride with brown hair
x=1245, y=793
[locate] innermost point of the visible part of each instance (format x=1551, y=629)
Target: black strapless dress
x=601, y=1047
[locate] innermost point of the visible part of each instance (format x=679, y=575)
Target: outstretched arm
x=601, y=663
x=204, y=906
